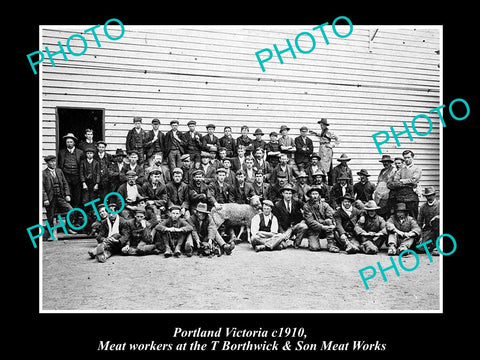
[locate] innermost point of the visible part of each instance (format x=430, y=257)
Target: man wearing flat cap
x=174, y=145
x=134, y=166
x=209, y=141
x=228, y=142
x=173, y=233
x=140, y=241
x=178, y=193
x=68, y=161
x=154, y=142
x=198, y=191
x=303, y=149
x=272, y=150
x=156, y=192
x=221, y=191
x=245, y=140
x=55, y=191
x=130, y=192
x=193, y=142
x=136, y=139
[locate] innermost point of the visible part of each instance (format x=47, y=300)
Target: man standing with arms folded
x=154, y=142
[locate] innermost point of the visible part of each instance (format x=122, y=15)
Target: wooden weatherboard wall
x=210, y=74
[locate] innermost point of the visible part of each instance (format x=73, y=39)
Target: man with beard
x=319, y=219
x=370, y=229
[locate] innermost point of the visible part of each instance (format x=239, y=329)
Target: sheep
x=232, y=214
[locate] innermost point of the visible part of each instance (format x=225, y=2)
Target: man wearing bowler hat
x=429, y=220
x=303, y=149
x=55, y=191
x=363, y=190
x=328, y=140
x=205, y=234
x=370, y=229
x=68, y=160
x=115, y=169
x=402, y=229
x=346, y=217
x=136, y=139
x=154, y=142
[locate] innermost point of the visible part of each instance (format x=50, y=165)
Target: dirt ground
x=291, y=279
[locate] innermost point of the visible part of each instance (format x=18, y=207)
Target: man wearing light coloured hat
x=402, y=229
x=341, y=169
x=429, y=220
x=370, y=229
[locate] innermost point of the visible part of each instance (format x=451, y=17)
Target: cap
x=155, y=121
x=137, y=119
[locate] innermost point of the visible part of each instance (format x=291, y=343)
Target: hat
x=221, y=169
x=140, y=209
x=303, y=128
x=320, y=172
x=141, y=198
x=315, y=155
x=363, y=172
x=227, y=159
x=89, y=148
x=259, y=171
x=185, y=157
x=153, y=170
x=400, y=207
x=137, y=119
x=267, y=202
x=284, y=127
x=386, y=157
x=302, y=174
x=198, y=171
x=192, y=122
x=287, y=187
x=202, y=207
x=70, y=136
x=343, y=157
x=273, y=133
x=343, y=177
x=101, y=142
x=313, y=188
x=210, y=126
x=323, y=121
x=205, y=154
x=177, y=170
x=371, y=205
x=347, y=196
x=173, y=121
x=131, y=173
x=428, y=190
x=174, y=207
x=49, y=157
x=258, y=132
x=120, y=152
x=281, y=174
x=155, y=121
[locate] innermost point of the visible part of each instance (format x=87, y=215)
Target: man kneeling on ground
x=205, y=233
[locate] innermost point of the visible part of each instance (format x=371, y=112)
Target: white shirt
x=255, y=225
x=132, y=192
x=113, y=229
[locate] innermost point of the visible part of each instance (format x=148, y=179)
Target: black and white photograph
x=247, y=184
x=297, y=181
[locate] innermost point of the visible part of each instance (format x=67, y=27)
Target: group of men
x=170, y=182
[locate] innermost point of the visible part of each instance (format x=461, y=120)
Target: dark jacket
x=228, y=143
x=79, y=155
x=262, y=190
x=206, y=140
x=286, y=219
x=204, y=232
x=242, y=195
x=316, y=215
x=123, y=227
x=90, y=177
x=177, y=195
x=345, y=223
x=158, y=195
x=221, y=194
x=47, y=184
x=303, y=149
x=139, y=170
x=169, y=140
x=135, y=141
x=151, y=147
x=193, y=145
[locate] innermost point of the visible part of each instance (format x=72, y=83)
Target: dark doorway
x=76, y=120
